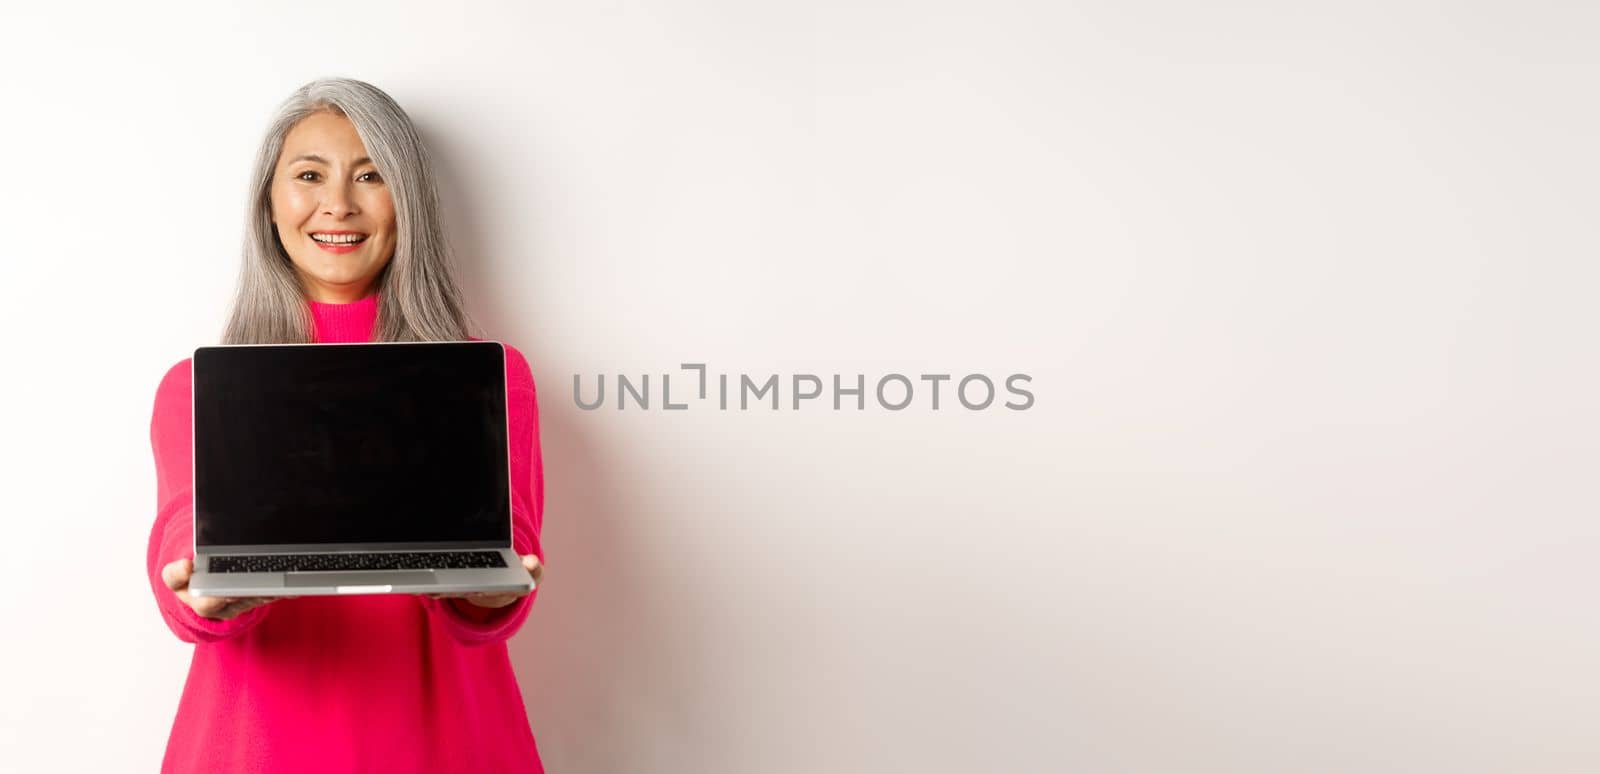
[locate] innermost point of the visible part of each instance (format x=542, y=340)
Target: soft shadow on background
x=595, y=658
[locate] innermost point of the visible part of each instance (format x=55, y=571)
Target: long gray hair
x=418, y=299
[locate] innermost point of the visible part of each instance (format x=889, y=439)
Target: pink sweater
x=385, y=683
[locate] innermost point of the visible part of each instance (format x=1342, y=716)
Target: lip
x=338, y=249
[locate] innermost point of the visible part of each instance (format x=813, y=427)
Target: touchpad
x=396, y=578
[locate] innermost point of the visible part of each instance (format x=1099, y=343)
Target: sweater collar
x=344, y=323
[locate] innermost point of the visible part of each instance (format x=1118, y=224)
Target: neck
x=350, y=322
x=338, y=295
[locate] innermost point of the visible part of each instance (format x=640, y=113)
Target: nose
x=337, y=201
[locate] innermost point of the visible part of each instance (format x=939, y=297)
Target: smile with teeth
x=339, y=239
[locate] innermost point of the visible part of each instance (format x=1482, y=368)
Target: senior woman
x=343, y=244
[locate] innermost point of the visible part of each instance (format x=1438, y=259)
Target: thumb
x=176, y=574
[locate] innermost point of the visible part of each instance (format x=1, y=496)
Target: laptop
x=373, y=468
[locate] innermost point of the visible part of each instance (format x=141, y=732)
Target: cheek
x=374, y=200
x=289, y=208
x=383, y=212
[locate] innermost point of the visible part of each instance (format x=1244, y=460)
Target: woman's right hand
x=176, y=576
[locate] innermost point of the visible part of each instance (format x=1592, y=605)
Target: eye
x=369, y=177
x=303, y=176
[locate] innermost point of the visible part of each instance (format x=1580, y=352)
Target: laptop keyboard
x=383, y=560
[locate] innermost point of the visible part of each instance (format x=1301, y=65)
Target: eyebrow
x=321, y=160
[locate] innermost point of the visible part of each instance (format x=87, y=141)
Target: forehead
x=328, y=135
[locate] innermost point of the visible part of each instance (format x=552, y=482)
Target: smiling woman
x=332, y=211
x=343, y=205
x=343, y=244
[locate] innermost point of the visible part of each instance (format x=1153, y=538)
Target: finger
x=235, y=606
x=251, y=603
x=209, y=607
x=204, y=606
x=493, y=599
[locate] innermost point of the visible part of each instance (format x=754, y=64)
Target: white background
x=1306, y=292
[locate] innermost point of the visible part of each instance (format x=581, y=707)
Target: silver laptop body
x=372, y=468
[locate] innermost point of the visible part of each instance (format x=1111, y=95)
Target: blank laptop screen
x=351, y=443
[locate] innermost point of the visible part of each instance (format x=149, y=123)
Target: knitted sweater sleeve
x=465, y=621
x=172, y=535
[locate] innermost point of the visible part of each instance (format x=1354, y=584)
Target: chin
x=343, y=282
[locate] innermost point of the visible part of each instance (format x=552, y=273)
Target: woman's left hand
x=493, y=599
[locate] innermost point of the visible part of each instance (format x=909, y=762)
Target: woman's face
x=331, y=209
